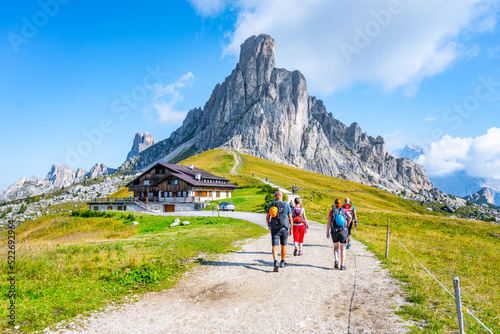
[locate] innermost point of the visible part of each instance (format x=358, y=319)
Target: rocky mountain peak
x=62, y=176
x=100, y=169
x=266, y=112
x=483, y=196
x=141, y=142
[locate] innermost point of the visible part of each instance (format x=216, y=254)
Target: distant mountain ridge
x=58, y=177
x=457, y=183
x=266, y=112
x=410, y=152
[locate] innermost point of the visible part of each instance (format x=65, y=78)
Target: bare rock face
x=483, y=196
x=62, y=176
x=266, y=112
x=141, y=142
x=23, y=188
x=100, y=169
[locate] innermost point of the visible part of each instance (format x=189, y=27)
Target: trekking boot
x=276, y=267
x=300, y=253
x=336, y=265
x=295, y=252
x=282, y=264
x=343, y=268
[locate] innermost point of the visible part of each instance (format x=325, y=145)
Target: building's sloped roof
x=187, y=175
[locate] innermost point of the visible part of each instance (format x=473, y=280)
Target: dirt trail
x=238, y=162
x=239, y=293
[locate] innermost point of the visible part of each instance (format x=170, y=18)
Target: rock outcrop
x=141, y=142
x=62, y=176
x=483, y=196
x=100, y=169
x=23, y=188
x=58, y=177
x=266, y=112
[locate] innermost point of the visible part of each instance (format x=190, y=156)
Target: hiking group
x=283, y=218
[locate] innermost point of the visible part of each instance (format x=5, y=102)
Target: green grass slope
x=70, y=265
x=447, y=247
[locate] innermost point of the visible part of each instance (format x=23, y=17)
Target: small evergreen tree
x=22, y=209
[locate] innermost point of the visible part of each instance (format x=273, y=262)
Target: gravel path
x=237, y=162
x=240, y=293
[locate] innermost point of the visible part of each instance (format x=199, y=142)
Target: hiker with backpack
x=300, y=226
x=337, y=227
x=279, y=220
x=349, y=208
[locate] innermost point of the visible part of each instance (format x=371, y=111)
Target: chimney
x=191, y=166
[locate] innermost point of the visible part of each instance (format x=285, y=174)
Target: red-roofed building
x=171, y=183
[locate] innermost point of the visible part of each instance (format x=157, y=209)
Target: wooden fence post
x=458, y=302
x=387, y=241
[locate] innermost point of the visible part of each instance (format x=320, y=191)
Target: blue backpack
x=339, y=219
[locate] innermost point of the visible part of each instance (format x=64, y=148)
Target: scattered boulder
x=449, y=209
x=174, y=224
x=135, y=223
x=430, y=209
x=185, y=223
x=177, y=221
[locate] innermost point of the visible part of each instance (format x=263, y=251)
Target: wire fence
x=464, y=309
x=319, y=216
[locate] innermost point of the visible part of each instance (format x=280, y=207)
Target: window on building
x=110, y=207
x=150, y=194
x=218, y=194
x=142, y=194
x=179, y=194
x=184, y=194
x=96, y=208
x=120, y=208
x=170, y=194
x=146, y=182
x=227, y=193
x=209, y=194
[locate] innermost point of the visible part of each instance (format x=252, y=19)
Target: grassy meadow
x=69, y=265
x=448, y=247
x=72, y=265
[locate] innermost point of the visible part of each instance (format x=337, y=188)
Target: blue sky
x=80, y=79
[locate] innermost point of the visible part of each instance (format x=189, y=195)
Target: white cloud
x=337, y=44
x=429, y=119
x=207, y=8
x=478, y=157
x=166, y=98
x=167, y=112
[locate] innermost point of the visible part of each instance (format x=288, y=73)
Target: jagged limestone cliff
x=266, y=112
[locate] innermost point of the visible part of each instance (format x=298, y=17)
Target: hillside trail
x=237, y=162
x=239, y=293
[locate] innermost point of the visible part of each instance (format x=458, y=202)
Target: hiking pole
x=458, y=301
x=387, y=241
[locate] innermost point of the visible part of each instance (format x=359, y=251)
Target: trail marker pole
x=387, y=241
x=458, y=301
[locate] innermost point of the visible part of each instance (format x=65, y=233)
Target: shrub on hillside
x=22, y=209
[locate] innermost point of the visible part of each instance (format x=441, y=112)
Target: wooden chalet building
x=176, y=184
